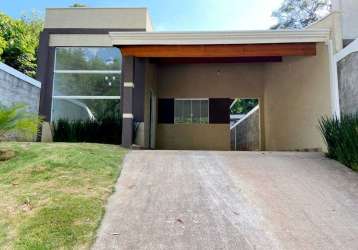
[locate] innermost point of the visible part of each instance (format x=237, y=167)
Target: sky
x=173, y=15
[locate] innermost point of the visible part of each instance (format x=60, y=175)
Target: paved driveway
x=231, y=200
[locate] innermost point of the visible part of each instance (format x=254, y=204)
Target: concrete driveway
x=231, y=200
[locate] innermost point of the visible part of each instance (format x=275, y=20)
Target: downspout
x=335, y=107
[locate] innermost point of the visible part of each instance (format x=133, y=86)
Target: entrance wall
x=205, y=81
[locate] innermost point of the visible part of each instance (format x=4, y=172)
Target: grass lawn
x=52, y=196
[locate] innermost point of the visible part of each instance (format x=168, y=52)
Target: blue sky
x=173, y=14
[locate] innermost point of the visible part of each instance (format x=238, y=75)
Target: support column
x=335, y=106
x=45, y=64
x=127, y=101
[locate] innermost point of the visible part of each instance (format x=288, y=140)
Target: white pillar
x=335, y=107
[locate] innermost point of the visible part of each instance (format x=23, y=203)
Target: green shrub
x=341, y=136
x=106, y=130
x=16, y=119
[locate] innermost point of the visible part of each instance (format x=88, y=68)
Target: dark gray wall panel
x=138, y=94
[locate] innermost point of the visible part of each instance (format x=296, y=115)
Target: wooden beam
x=185, y=60
x=239, y=50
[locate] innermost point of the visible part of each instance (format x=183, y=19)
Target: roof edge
x=220, y=37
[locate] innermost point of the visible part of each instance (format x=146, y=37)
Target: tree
x=19, y=40
x=3, y=45
x=78, y=5
x=297, y=14
x=243, y=106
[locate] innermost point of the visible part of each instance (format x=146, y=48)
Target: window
x=85, y=109
x=86, y=83
x=191, y=111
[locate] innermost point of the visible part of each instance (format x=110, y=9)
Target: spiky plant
x=17, y=120
x=105, y=130
x=341, y=136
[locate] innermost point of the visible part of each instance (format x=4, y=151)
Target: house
x=177, y=87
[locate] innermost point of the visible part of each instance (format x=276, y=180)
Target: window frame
x=191, y=110
x=75, y=71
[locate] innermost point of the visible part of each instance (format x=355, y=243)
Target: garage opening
x=245, y=124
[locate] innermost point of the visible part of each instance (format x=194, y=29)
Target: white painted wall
x=349, y=10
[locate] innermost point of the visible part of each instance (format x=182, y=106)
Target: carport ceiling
x=219, y=51
x=174, y=60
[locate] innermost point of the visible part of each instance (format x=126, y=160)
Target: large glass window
x=85, y=109
x=191, y=111
x=86, y=83
x=88, y=59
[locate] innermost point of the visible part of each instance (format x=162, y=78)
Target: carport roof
x=267, y=44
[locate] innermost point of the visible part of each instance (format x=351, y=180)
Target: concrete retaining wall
x=16, y=87
x=348, y=83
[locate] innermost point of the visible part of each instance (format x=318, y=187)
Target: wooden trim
x=238, y=50
x=198, y=60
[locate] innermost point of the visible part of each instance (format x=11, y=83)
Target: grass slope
x=53, y=195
